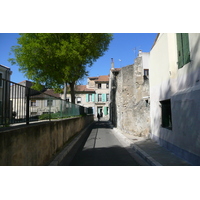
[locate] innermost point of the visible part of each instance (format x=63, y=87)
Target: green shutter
x=87, y=97
x=179, y=50
x=105, y=111
x=186, y=49
x=96, y=97
x=92, y=97
x=103, y=97
x=183, y=49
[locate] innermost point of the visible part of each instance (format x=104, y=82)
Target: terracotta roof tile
x=103, y=78
x=83, y=88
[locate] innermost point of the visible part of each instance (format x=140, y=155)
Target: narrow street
x=102, y=148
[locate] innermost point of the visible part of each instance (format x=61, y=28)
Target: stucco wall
x=35, y=144
x=182, y=86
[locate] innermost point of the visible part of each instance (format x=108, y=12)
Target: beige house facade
x=175, y=94
x=94, y=95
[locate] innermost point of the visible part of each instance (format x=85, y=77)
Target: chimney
x=112, y=64
x=140, y=53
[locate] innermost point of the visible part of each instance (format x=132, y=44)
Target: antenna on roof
x=112, y=63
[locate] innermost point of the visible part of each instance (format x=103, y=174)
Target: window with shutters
x=90, y=97
x=33, y=102
x=49, y=102
x=166, y=115
x=107, y=97
x=99, y=97
x=183, y=49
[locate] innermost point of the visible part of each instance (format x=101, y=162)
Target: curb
x=128, y=143
x=69, y=147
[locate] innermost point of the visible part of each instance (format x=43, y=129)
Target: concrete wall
x=36, y=144
x=182, y=87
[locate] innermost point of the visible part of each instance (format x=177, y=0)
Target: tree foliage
x=56, y=58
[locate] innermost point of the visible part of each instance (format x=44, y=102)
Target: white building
x=175, y=93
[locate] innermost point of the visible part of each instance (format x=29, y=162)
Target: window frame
x=89, y=97
x=48, y=102
x=79, y=101
x=166, y=114
x=33, y=102
x=99, y=96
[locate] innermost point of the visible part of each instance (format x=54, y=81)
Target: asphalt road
x=102, y=148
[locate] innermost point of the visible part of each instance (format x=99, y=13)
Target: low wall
x=36, y=144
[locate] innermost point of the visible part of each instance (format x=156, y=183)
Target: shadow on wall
x=113, y=105
x=184, y=137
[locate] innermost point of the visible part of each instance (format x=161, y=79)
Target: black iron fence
x=21, y=104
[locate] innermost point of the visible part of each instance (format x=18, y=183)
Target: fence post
x=27, y=105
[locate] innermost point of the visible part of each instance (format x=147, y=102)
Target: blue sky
x=124, y=46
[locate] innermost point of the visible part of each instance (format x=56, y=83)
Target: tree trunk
x=72, y=92
x=65, y=91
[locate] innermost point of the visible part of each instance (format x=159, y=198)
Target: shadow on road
x=110, y=156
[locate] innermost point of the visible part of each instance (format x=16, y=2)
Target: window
x=78, y=99
x=99, y=97
x=146, y=72
x=166, y=114
x=183, y=49
x=49, y=102
x=90, y=97
x=0, y=79
x=33, y=102
x=99, y=85
x=107, y=97
x=107, y=85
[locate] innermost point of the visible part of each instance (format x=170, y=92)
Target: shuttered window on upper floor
x=183, y=49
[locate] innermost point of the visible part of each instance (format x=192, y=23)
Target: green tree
x=54, y=59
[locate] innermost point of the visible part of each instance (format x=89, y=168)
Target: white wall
x=182, y=86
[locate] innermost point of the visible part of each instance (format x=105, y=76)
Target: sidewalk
x=149, y=150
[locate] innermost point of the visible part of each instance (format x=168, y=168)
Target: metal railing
x=21, y=104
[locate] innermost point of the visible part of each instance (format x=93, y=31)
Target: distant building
x=94, y=95
x=5, y=104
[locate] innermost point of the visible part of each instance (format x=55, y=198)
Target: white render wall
x=182, y=86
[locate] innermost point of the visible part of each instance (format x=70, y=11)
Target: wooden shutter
x=87, y=97
x=103, y=98
x=186, y=49
x=105, y=111
x=92, y=97
x=179, y=50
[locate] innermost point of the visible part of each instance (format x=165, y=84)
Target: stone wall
x=132, y=110
x=36, y=144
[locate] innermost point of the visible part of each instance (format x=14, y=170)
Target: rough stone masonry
x=131, y=105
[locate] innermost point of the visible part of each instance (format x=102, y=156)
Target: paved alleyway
x=102, y=148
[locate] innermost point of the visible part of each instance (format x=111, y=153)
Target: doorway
x=100, y=110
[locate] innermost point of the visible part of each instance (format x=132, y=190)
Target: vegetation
x=55, y=116
x=57, y=59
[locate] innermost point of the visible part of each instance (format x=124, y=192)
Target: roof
x=4, y=67
x=46, y=94
x=103, y=79
x=83, y=88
